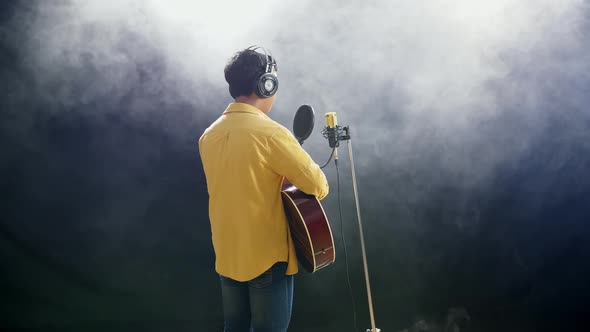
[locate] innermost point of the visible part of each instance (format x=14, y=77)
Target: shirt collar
x=243, y=108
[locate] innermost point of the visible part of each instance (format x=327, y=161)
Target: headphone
x=266, y=83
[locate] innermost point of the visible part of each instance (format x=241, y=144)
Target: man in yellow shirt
x=246, y=156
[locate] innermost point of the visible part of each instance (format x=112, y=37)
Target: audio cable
x=329, y=159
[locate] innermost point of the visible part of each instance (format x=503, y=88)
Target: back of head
x=243, y=71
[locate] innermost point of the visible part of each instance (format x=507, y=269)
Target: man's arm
x=290, y=160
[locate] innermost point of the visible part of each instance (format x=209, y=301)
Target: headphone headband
x=270, y=62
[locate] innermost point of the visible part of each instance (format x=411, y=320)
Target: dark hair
x=241, y=71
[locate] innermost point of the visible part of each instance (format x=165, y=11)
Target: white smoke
x=418, y=72
x=439, y=53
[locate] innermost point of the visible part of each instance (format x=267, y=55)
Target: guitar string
x=344, y=244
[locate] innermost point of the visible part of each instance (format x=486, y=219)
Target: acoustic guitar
x=310, y=229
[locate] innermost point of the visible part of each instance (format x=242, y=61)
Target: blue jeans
x=261, y=304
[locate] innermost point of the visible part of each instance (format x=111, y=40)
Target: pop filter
x=303, y=123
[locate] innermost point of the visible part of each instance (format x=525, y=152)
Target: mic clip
x=344, y=133
x=336, y=134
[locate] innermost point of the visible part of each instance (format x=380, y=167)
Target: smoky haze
x=469, y=122
x=403, y=71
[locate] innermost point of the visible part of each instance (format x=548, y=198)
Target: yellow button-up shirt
x=245, y=156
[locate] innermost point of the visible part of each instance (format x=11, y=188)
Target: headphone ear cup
x=267, y=85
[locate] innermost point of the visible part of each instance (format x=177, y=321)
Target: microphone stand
x=343, y=134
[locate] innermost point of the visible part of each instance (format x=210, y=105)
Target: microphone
x=331, y=129
x=332, y=132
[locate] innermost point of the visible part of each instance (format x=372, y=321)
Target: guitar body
x=310, y=229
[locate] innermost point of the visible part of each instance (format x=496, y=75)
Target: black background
x=104, y=219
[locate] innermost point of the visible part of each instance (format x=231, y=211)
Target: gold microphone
x=332, y=130
x=331, y=120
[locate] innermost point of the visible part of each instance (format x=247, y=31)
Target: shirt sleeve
x=290, y=160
